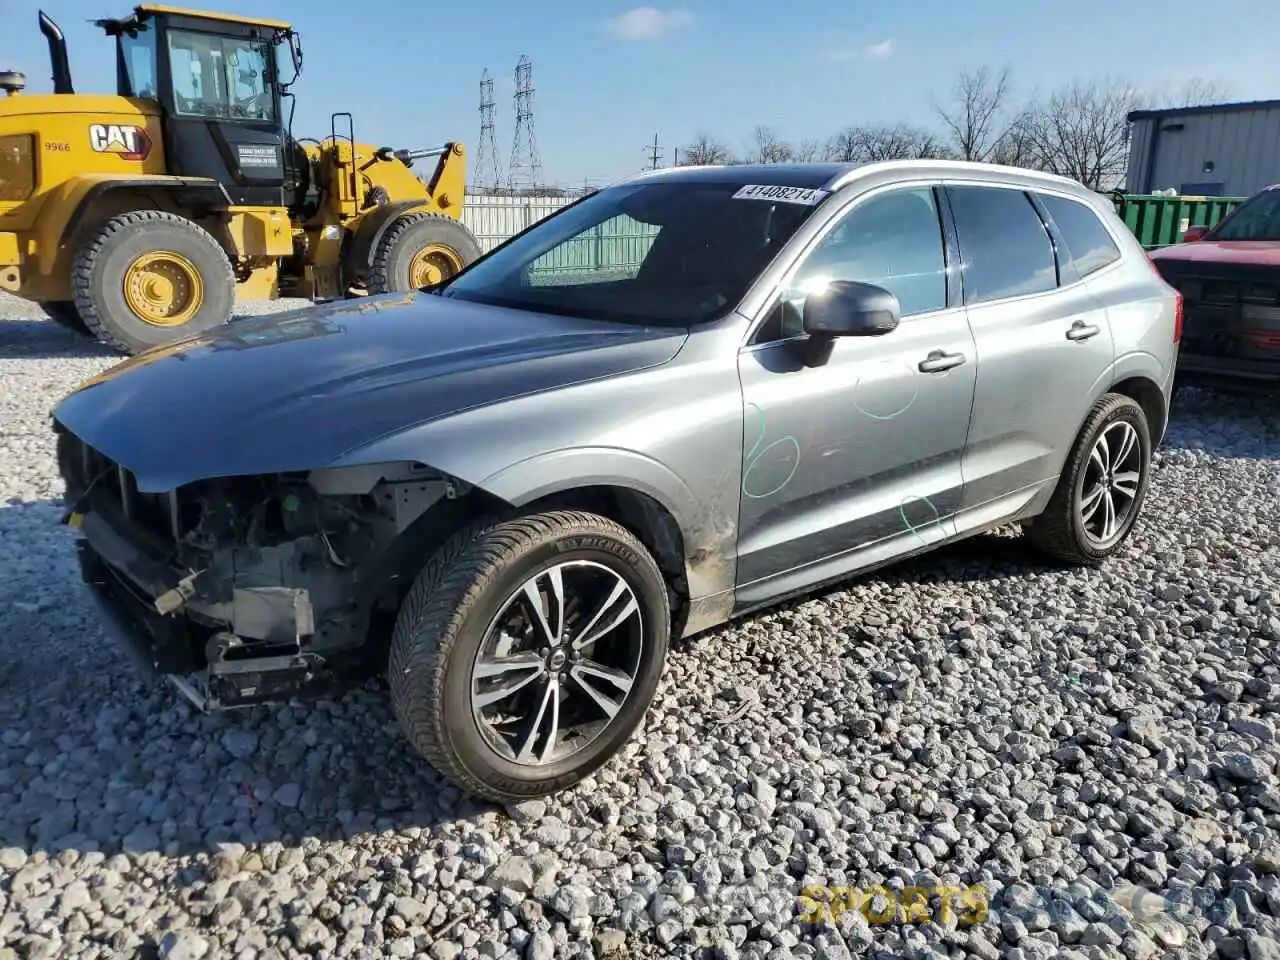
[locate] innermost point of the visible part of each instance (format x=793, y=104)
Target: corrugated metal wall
x=1242, y=145
x=1139, y=152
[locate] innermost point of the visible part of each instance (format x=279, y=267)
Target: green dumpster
x=1158, y=220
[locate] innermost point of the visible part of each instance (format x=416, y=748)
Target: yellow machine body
x=71, y=162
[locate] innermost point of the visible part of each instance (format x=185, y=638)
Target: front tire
x=1103, y=487
x=420, y=250
x=528, y=651
x=149, y=277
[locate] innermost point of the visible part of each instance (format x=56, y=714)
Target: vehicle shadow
x=94, y=758
x=38, y=338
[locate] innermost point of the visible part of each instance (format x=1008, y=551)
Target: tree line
x=1077, y=130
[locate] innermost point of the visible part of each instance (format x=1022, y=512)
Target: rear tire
x=150, y=277
x=451, y=669
x=419, y=250
x=64, y=314
x=1109, y=469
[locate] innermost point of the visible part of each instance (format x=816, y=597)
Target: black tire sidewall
x=459, y=727
x=409, y=240
x=107, y=269
x=1128, y=411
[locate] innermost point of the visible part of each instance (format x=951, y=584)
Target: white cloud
x=848, y=51
x=648, y=23
x=879, y=51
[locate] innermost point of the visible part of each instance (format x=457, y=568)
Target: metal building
x=1217, y=150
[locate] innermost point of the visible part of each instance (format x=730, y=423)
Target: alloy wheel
x=557, y=663
x=1111, y=482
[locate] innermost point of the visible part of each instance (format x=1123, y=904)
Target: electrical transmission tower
x=525, y=169
x=487, y=174
x=655, y=152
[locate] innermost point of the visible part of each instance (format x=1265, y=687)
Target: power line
x=654, y=151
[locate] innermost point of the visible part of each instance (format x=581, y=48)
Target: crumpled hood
x=297, y=390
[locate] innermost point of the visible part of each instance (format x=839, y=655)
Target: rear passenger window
x=1006, y=249
x=1090, y=246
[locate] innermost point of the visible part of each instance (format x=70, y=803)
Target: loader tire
x=420, y=250
x=149, y=277
x=64, y=314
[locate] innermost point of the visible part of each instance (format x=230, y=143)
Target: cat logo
x=127, y=141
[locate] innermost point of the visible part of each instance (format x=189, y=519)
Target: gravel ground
x=1096, y=749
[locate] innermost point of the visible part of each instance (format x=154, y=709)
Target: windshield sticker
x=764, y=191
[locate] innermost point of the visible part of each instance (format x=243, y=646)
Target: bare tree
x=1016, y=146
x=1194, y=92
x=766, y=146
x=1081, y=131
x=867, y=144
x=978, y=117
x=807, y=150
x=705, y=150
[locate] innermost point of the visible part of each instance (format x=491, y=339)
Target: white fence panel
x=494, y=219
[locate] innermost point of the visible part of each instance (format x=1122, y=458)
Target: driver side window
x=893, y=240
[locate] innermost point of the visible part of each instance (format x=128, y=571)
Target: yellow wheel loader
x=146, y=216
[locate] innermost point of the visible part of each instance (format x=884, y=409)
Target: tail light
x=1177, y=299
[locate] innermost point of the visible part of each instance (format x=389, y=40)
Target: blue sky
x=608, y=75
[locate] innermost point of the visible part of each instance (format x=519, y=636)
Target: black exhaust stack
x=57, y=54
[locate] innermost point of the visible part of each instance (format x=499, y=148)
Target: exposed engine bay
x=247, y=589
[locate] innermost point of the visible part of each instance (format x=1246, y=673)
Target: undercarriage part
x=232, y=684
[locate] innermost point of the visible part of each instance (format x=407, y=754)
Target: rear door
x=1043, y=345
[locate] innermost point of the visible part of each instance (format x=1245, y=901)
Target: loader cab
x=217, y=82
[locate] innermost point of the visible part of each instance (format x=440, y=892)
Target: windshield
x=663, y=253
x=219, y=77
x=1256, y=219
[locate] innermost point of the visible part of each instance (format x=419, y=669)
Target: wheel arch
x=646, y=499
x=358, y=256
x=82, y=202
x=1148, y=395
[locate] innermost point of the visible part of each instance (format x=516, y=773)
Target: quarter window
x=1088, y=242
x=893, y=240
x=139, y=52
x=1003, y=241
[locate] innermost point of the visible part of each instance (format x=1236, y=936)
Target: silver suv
x=682, y=398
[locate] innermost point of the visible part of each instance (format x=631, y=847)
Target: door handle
x=1083, y=331
x=939, y=360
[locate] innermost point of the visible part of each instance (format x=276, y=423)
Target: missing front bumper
x=163, y=645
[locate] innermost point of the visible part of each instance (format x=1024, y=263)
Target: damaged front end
x=244, y=590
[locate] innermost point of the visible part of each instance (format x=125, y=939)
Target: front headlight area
x=260, y=586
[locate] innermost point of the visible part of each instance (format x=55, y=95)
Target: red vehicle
x=1229, y=276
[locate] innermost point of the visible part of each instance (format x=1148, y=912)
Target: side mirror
x=847, y=308
x=1194, y=233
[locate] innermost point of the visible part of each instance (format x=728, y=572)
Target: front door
x=222, y=113
x=856, y=459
